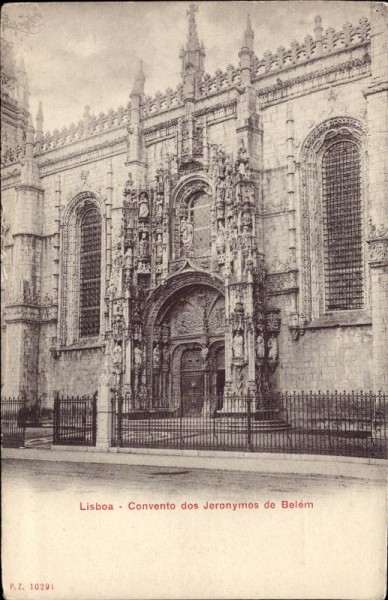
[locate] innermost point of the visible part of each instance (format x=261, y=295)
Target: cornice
x=375, y=88
x=321, y=79
x=86, y=155
x=28, y=187
x=309, y=61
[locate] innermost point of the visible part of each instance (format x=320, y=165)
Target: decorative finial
x=248, y=35
x=249, y=25
x=39, y=127
x=192, y=57
x=39, y=118
x=29, y=138
x=138, y=84
x=193, y=41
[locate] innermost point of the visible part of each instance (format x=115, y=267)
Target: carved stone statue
x=159, y=245
x=117, y=357
x=128, y=258
x=220, y=235
x=159, y=205
x=112, y=287
x=144, y=210
x=273, y=349
x=242, y=153
x=187, y=233
x=128, y=184
x=166, y=356
x=156, y=356
x=204, y=353
x=138, y=356
x=246, y=237
x=143, y=244
x=117, y=362
x=238, y=345
x=260, y=346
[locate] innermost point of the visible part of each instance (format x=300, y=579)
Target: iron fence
x=348, y=424
x=13, y=427
x=75, y=420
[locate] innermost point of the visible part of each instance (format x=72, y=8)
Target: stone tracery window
x=342, y=226
x=90, y=273
x=333, y=208
x=82, y=269
x=200, y=217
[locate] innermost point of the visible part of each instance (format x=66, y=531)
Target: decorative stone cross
x=192, y=10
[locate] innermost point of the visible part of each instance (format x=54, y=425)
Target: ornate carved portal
x=186, y=293
x=187, y=368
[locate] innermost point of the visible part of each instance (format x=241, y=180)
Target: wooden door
x=192, y=383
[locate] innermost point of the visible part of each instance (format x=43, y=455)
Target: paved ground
x=332, y=545
x=104, y=479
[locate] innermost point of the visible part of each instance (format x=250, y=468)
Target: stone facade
x=208, y=209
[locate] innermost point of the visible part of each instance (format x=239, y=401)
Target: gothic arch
x=69, y=308
x=159, y=302
x=162, y=294
x=319, y=141
x=185, y=190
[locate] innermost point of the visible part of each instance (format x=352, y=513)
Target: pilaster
x=377, y=116
x=23, y=312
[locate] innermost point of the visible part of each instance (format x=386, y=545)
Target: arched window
x=333, y=270
x=199, y=216
x=342, y=226
x=82, y=269
x=90, y=273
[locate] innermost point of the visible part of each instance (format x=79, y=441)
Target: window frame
x=68, y=333
x=82, y=257
x=191, y=210
x=311, y=297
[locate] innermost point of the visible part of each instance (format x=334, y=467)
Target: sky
x=85, y=53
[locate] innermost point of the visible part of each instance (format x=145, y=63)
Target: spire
x=138, y=84
x=246, y=54
x=248, y=35
x=193, y=41
x=192, y=58
x=23, y=91
x=39, y=128
x=39, y=118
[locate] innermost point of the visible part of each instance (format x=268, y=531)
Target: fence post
x=249, y=417
x=119, y=399
x=181, y=421
x=113, y=421
x=56, y=418
x=94, y=418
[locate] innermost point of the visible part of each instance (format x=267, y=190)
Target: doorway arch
x=186, y=321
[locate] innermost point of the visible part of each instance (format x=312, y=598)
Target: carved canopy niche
x=187, y=221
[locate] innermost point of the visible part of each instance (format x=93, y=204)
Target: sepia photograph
x=194, y=300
